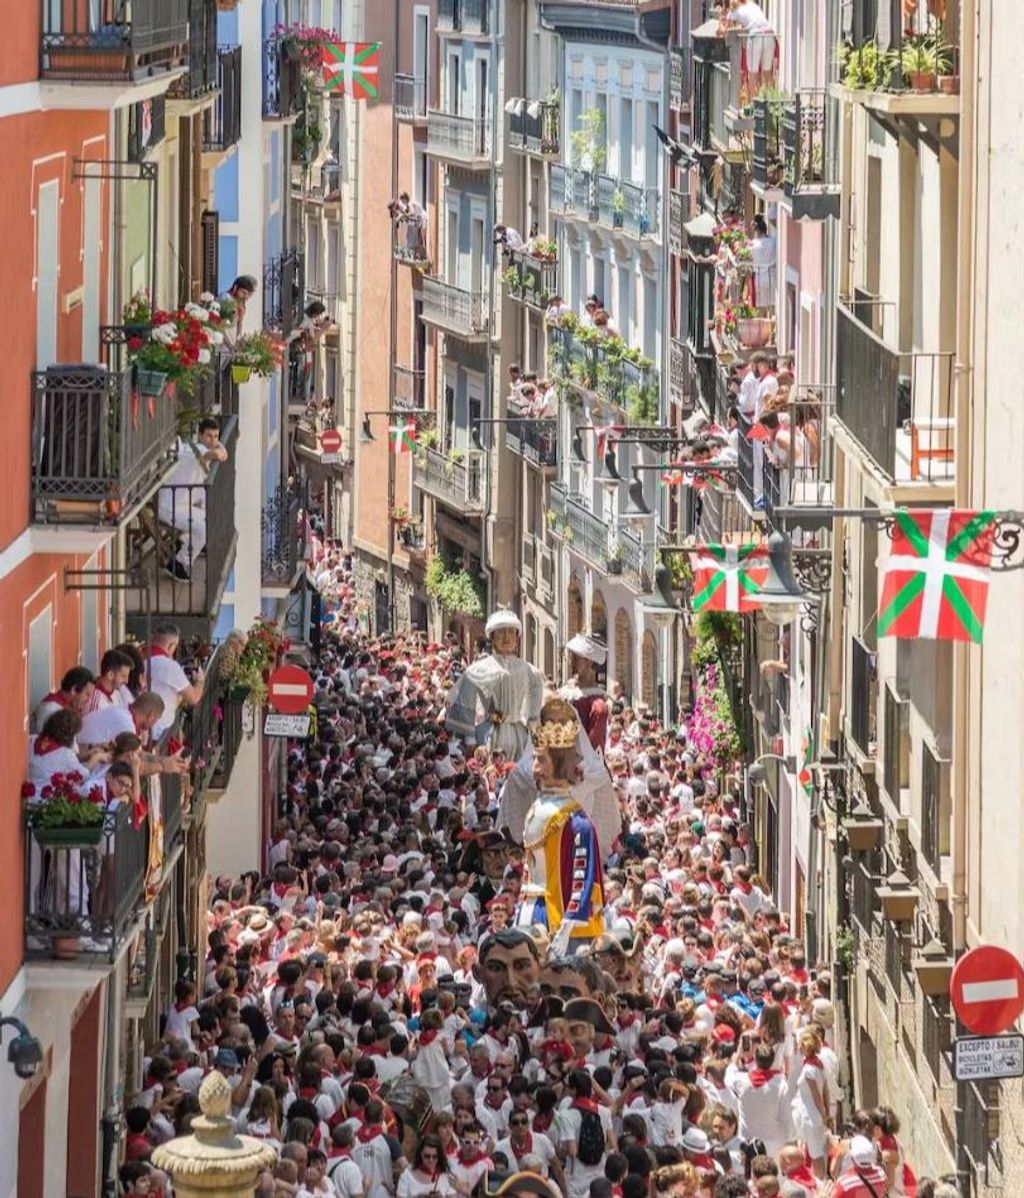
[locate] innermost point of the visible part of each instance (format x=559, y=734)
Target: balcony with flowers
x=595, y=364
x=744, y=294
x=531, y=274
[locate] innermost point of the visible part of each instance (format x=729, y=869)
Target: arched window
x=649, y=671
x=548, y=667
x=598, y=616
x=574, y=614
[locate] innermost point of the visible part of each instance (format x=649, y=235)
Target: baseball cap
x=226, y=1058
x=862, y=1151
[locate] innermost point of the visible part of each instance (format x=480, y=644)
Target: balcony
x=222, y=124
x=802, y=475
x=283, y=95
x=533, y=440
x=678, y=212
x=410, y=98
x=283, y=538
x=571, y=193
x=900, y=62
x=679, y=79
x=807, y=192
x=861, y=716
x=606, y=367
x=768, y=163
x=93, y=893
x=283, y=292
x=530, y=280
x=456, y=480
x=147, y=127
x=628, y=206
x=678, y=374
x=409, y=242
x=464, y=16
x=194, y=525
x=410, y=387
x=580, y=529
x=114, y=41
x=462, y=139
x=98, y=448
x=533, y=126
x=454, y=310
x=200, y=80
x=898, y=407
x=320, y=184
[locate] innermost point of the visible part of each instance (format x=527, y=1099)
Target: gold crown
x=555, y=735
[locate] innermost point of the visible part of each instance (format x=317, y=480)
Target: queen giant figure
x=563, y=888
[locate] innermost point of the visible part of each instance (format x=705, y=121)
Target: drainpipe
x=964, y=491
x=393, y=316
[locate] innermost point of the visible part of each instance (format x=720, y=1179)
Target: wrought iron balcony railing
x=457, y=481
x=678, y=374
x=679, y=78
x=284, y=289
x=183, y=544
x=201, y=77
x=806, y=182
x=628, y=206
x=571, y=192
x=98, y=446
x=114, y=40
x=454, y=309
x=410, y=98
x=222, y=124
x=771, y=115
x=463, y=16
x=465, y=139
x=534, y=440
x=533, y=126
x=282, y=81
x=620, y=376
x=529, y=279
x=410, y=387
x=283, y=542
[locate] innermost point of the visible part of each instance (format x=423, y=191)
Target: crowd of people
x=387, y=1025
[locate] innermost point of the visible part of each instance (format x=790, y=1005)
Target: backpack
x=590, y=1143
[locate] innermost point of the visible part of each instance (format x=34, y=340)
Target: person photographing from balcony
x=182, y=502
x=167, y=679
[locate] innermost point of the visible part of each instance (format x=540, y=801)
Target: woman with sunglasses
x=429, y=1176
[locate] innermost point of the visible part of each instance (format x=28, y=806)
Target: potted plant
x=513, y=283
x=61, y=816
x=246, y=676
x=400, y=516
x=258, y=353
x=753, y=331
x=65, y=935
x=618, y=207
x=615, y=559
x=919, y=62
x=170, y=346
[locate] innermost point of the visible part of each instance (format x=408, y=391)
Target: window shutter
x=211, y=251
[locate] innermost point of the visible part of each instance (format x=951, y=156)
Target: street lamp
x=659, y=610
x=781, y=597
x=757, y=775
x=24, y=1052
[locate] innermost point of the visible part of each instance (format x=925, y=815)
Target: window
x=40, y=658
x=625, y=163
x=92, y=247
x=600, y=282
x=624, y=301
x=449, y=416
x=421, y=52
x=47, y=236
x=90, y=624
x=650, y=318
x=652, y=155
x=601, y=104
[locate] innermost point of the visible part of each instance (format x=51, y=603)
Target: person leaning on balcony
x=557, y=309
x=75, y=693
x=508, y=238
x=240, y=292
x=758, y=65
x=767, y=382
x=182, y=502
x=115, y=669
x=54, y=751
x=105, y=726
x=168, y=679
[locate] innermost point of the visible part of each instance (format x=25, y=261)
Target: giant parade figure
x=563, y=889
x=499, y=695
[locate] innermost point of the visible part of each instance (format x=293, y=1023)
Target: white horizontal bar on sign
x=295, y=688
x=990, y=991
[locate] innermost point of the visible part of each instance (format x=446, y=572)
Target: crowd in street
x=387, y=1026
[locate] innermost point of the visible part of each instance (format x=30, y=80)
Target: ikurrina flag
x=403, y=437
x=728, y=577
x=352, y=69
x=805, y=777
x=935, y=580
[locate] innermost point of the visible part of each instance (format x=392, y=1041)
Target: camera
x=24, y=1052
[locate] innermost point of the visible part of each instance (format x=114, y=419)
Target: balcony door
x=625, y=163
x=482, y=103
x=92, y=248
x=476, y=256
x=451, y=246
x=421, y=57
x=454, y=105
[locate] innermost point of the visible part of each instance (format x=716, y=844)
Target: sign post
x=330, y=445
x=986, y=1058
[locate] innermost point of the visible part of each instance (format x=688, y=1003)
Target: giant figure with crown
x=564, y=883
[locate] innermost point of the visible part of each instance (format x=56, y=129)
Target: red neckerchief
x=44, y=745
x=281, y=888
x=627, y=1019
x=375, y=1050
x=712, y=1003
x=339, y=1154
x=385, y=989
x=315, y=1140
x=558, y=1048
x=140, y=809
x=478, y=1156
x=428, y=1036
x=311, y=1092
x=368, y=1132
x=888, y=1143
x=103, y=690
x=586, y=1104
x=527, y=1148
x=803, y=1175
x=800, y=976
x=743, y=887
x=761, y=1077
x=702, y=1160
x=814, y=1060
x=156, y=651
x=452, y=1149
x=58, y=698
x=541, y=1122
x=179, y=1007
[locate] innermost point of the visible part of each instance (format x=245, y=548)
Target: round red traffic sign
x=290, y=690
x=330, y=440
x=987, y=989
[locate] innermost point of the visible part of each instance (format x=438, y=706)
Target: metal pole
x=393, y=357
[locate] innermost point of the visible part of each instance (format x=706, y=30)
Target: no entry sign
x=330, y=440
x=290, y=690
x=987, y=990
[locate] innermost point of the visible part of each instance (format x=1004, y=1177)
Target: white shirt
x=168, y=680
x=750, y=17
x=539, y=1146
x=188, y=470
x=763, y=1110
x=345, y=1176
x=410, y=1186
x=179, y=1024
x=104, y=726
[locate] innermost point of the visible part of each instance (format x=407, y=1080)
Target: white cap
x=590, y=647
x=503, y=619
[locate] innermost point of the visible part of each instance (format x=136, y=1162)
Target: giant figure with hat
x=585, y=690
x=499, y=689
x=564, y=885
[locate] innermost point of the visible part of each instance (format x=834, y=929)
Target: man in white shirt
x=182, y=502
x=103, y=727
x=168, y=679
x=115, y=669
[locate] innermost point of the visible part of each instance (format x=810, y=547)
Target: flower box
x=151, y=382
x=69, y=838
x=240, y=372
x=754, y=332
